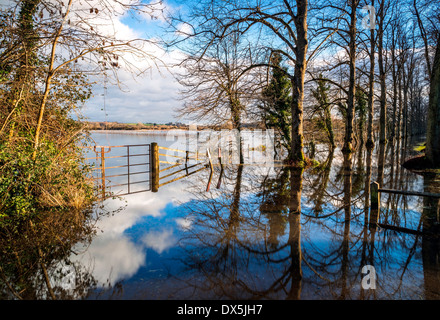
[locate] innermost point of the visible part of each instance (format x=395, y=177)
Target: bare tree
x=215, y=87
x=275, y=27
x=68, y=27
x=341, y=19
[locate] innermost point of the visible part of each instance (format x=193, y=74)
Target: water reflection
x=246, y=245
x=430, y=239
x=272, y=248
x=35, y=257
x=265, y=233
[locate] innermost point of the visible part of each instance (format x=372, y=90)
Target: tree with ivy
x=361, y=112
x=433, y=127
x=322, y=109
x=277, y=100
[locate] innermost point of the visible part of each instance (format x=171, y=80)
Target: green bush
x=55, y=179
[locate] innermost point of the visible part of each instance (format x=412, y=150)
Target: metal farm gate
x=120, y=170
x=128, y=169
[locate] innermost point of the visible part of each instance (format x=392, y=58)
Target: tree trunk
x=404, y=134
x=27, y=60
x=383, y=97
x=370, y=139
x=433, y=128
x=297, y=144
x=349, y=126
x=399, y=114
x=395, y=71
x=236, y=121
x=48, y=83
x=329, y=127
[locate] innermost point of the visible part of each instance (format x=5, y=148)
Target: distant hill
x=312, y=132
x=134, y=126
x=97, y=125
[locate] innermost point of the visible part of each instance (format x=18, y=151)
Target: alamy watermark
x=369, y=278
x=231, y=146
x=369, y=21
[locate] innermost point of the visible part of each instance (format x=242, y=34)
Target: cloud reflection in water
x=119, y=250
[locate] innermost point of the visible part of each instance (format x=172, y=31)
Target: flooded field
x=261, y=232
x=270, y=233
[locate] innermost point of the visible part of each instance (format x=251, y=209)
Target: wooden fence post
x=103, y=171
x=209, y=158
x=220, y=157
x=374, y=196
x=374, y=203
x=154, y=167
x=212, y=170
x=186, y=161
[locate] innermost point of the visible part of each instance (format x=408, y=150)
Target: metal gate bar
x=102, y=154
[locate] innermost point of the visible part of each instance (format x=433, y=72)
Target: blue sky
x=152, y=97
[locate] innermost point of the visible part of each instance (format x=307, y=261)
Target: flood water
x=265, y=233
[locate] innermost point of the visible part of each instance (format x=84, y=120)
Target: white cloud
x=112, y=255
x=184, y=29
x=113, y=258
x=184, y=223
x=152, y=97
x=159, y=241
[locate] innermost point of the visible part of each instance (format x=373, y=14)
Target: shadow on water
x=430, y=240
x=36, y=257
x=271, y=233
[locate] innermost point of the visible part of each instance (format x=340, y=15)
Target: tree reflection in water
x=35, y=259
x=304, y=234
x=33, y=264
x=430, y=239
x=267, y=233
